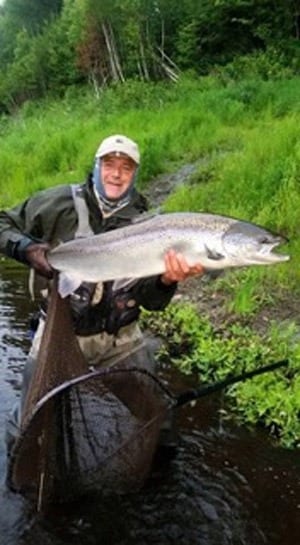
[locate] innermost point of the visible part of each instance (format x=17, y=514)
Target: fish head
x=247, y=243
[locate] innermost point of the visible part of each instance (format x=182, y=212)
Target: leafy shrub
x=195, y=346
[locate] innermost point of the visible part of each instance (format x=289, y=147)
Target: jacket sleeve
x=41, y=218
x=152, y=294
x=17, y=232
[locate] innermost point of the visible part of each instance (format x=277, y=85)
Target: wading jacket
x=51, y=216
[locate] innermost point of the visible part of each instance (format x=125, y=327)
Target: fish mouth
x=266, y=254
x=275, y=258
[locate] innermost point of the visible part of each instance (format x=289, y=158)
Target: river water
x=225, y=486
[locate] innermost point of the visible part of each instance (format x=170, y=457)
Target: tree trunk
x=143, y=62
x=115, y=66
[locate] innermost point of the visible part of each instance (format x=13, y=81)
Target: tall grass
x=244, y=136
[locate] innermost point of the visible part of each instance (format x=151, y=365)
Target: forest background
x=208, y=87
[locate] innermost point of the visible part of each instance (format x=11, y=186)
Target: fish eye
x=264, y=240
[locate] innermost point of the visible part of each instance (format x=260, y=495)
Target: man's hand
x=36, y=257
x=177, y=269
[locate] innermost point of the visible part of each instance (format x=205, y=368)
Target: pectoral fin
x=68, y=283
x=211, y=254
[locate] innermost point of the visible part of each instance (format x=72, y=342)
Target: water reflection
x=225, y=486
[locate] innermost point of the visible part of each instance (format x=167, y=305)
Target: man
x=104, y=316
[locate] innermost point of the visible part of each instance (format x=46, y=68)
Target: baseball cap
x=119, y=144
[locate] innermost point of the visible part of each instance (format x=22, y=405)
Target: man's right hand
x=36, y=257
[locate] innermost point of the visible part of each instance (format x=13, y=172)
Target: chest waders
x=130, y=344
x=102, y=348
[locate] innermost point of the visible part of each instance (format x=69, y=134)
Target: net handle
x=177, y=401
x=197, y=393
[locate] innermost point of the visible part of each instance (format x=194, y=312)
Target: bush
x=195, y=346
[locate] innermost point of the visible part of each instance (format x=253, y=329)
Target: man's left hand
x=177, y=268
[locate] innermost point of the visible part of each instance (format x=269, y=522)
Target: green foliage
x=272, y=63
x=99, y=42
x=31, y=14
x=195, y=346
x=244, y=137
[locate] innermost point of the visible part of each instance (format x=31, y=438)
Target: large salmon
x=138, y=250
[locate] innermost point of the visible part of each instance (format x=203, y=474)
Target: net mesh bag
x=84, y=430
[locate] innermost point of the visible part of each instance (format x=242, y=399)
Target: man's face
x=117, y=172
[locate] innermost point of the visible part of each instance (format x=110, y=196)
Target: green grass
x=244, y=136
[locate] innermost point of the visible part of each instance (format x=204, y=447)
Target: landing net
x=84, y=430
x=96, y=433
